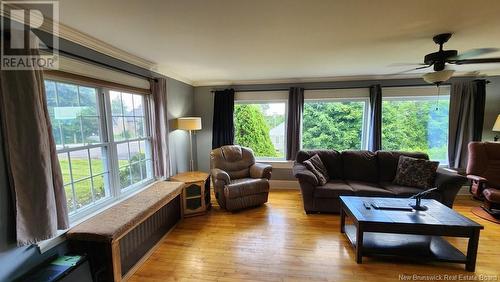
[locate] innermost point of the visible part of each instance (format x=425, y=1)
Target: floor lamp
x=189, y=124
x=496, y=127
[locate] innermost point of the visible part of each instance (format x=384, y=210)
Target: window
x=416, y=123
x=261, y=127
x=335, y=119
x=334, y=124
x=129, y=134
x=95, y=164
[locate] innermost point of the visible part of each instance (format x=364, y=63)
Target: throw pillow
x=316, y=166
x=415, y=172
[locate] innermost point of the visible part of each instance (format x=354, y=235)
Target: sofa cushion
x=330, y=158
x=369, y=189
x=315, y=165
x=407, y=191
x=246, y=186
x=360, y=165
x=388, y=162
x=333, y=189
x=416, y=172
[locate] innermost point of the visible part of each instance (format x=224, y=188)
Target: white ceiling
x=208, y=42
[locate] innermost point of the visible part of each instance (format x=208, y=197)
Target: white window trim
x=415, y=91
x=256, y=96
x=345, y=93
x=270, y=99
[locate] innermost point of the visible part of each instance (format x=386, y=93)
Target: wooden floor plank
x=279, y=242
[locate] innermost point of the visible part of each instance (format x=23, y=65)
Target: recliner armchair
x=239, y=182
x=483, y=169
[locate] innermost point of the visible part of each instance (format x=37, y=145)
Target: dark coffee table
x=415, y=235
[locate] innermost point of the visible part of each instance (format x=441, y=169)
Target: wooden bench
x=121, y=237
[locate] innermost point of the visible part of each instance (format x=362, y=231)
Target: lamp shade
x=189, y=123
x=438, y=76
x=496, y=126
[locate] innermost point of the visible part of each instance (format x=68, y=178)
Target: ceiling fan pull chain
x=437, y=101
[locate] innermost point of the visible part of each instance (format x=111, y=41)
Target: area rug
x=479, y=211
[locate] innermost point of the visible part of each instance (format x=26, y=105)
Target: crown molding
x=100, y=46
x=305, y=80
x=334, y=79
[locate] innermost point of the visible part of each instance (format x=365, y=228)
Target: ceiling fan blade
x=476, y=61
x=406, y=64
x=413, y=69
x=474, y=53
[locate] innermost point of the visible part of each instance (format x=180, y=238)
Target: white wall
x=179, y=103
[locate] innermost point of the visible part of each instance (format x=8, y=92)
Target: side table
x=196, y=192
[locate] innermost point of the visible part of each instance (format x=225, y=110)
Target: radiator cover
x=143, y=237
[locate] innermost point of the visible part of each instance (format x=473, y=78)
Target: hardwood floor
x=279, y=242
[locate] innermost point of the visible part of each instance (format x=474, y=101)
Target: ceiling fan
x=439, y=60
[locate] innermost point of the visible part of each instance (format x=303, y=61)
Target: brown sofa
x=239, y=182
x=364, y=173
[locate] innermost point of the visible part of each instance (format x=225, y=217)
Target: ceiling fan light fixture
x=438, y=77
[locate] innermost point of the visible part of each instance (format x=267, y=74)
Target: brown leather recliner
x=483, y=169
x=239, y=182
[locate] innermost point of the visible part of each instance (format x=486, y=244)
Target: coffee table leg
x=342, y=219
x=472, y=251
x=359, y=244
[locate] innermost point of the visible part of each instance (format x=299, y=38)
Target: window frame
x=269, y=101
x=365, y=121
x=114, y=144
x=116, y=194
x=415, y=96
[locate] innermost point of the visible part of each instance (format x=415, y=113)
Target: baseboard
x=284, y=184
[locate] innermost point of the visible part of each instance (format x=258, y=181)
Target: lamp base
x=496, y=138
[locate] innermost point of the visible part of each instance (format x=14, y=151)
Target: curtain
x=465, y=119
x=375, y=127
x=479, y=105
x=159, y=124
x=223, y=120
x=33, y=170
x=294, y=122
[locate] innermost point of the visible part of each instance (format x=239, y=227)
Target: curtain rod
x=340, y=87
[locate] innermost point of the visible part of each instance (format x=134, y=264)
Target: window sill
x=48, y=244
x=277, y=164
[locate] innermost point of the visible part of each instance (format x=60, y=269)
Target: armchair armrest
x=260, y=170
x=220, y=175
x=305, y=175
x=477, y=178
x=448, y=184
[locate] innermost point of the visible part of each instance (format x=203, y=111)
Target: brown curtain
x=34, y=174
x=294, y=122
x=159, y=125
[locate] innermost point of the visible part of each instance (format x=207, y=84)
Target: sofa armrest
x=448, y=184
x=477, y=178
x=220, y=175
x=304, y=175
x=260, y=170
